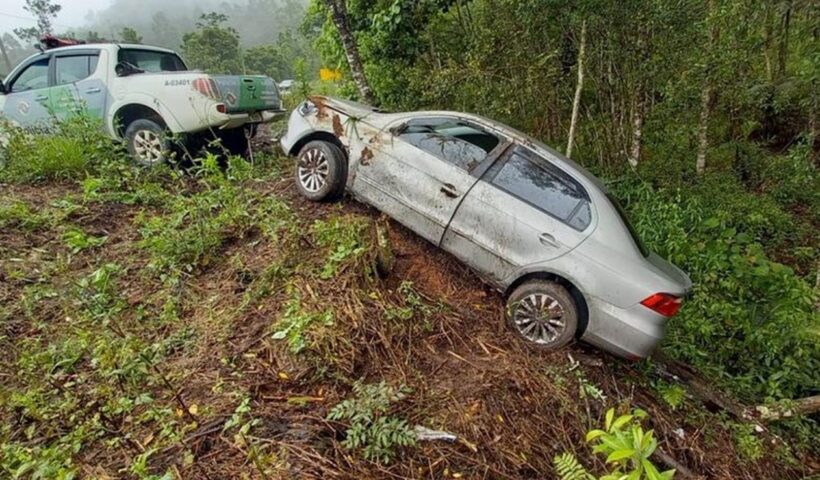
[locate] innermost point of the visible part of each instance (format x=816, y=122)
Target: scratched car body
x=529, y=221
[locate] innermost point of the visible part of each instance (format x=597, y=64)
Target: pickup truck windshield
x=151, y=61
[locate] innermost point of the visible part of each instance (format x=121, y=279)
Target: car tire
x=543, y=314
x=321, y=171
x=147, y=142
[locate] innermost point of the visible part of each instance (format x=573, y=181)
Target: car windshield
x=151, y=61
x=625, y=218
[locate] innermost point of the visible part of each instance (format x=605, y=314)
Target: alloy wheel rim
x=539, y=318
x=313, y=170
x=148, y=146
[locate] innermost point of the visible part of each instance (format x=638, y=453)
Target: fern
x=569, y=468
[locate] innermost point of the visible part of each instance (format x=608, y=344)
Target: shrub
x=372, y=429
x=750, y=321
x=63, y=151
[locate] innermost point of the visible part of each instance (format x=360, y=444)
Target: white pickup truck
x=144, y=95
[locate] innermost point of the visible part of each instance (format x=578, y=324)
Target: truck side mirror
x=2, y=88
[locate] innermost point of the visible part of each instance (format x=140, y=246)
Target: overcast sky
x=72, y=15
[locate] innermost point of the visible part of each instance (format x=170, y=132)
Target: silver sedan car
x=528, y=220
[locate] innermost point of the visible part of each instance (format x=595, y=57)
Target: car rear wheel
x=147, y=142
x=321, y=171
x=543, y=314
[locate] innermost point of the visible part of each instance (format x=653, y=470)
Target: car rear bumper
x=632, y=333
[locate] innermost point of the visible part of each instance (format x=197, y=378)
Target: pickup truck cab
x=144, y=95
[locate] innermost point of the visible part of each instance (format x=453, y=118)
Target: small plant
x=673, y=395
x=343, y=238
x=295, y=321
x=77, y=240
x=372, y=429
x=626, y=446
x=748, y=444
x=569, y=468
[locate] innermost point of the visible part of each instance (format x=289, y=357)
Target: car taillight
x=207, y=87
x=663, y=303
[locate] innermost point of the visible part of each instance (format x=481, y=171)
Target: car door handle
x=41, y=98
x=449, y=190
x=93, y=90
x=548, y=240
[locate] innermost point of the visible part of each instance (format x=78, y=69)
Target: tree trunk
x=338, y=10
x=783, y=53
x=637, y=127
x=707, y=98
x=5, y=55
x=576, y=103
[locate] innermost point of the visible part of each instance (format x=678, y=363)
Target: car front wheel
x=543, y=314
x=321, y=171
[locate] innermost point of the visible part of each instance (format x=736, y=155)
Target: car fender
x=147, y=101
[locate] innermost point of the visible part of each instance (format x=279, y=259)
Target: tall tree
x=579, y=86
x=45, y=11
x=129, y=35
x=213, y=46
x=6, y=60
x=708, y=95
x=338, y=10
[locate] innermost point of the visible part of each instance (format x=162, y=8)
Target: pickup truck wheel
x=543, y=314
x=321, y=171
x=147, y=142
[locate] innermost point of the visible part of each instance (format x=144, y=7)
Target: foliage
x=213, y=47
x=294, y=323
x=129, y=35
x=45, y=11
x=188, y=235
x=569, y=468
x=77, y=240
x=342, y=238
x=759, y=312
x=61, y=151
x=372, y=429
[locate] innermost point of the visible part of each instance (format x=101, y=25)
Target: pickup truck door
x=26, y=100
x=525, y=210
x=419, y=171
x=78, y=86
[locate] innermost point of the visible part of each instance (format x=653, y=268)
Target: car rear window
x=152, y=61
x=535, y=181
x=625, y=218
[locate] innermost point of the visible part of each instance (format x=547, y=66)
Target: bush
x=66, y=150
x=750, y=321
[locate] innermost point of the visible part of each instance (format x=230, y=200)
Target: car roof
x=85, y=46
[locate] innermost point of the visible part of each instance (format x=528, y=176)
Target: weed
x=77, y=240
x=342, y=238
x=295, y=322
x=372, y=429
x=18, y=214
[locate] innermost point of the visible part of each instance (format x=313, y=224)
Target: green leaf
x=593, y=434
x=620, y=455
x=621, y=421
x=651, y=471
x=610, y=414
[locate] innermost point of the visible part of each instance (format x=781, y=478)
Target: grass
x=210, y=323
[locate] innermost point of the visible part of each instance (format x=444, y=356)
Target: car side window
x=535, y=181
x=33, y=77
x=74, y=68
x=451, y=140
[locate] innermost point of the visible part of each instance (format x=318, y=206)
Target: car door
x=525, y=210
x=77, y=88
x=420, y=170
x=27, y=93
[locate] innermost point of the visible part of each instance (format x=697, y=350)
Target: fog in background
x=158, y=22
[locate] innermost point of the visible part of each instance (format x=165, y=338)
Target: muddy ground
x=514, y=407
